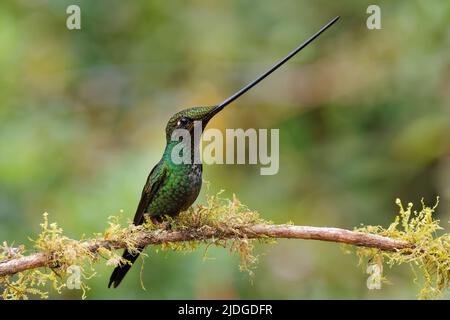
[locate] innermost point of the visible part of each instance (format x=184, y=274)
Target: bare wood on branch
x=282, y=231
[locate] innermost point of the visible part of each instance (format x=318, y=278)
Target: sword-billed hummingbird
x=173, y=187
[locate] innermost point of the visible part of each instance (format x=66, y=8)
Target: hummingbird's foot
x=164, y=225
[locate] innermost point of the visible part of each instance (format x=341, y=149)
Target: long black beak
x=233, y=97
x=212, y=113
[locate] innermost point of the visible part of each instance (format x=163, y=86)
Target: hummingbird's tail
x=121, y=270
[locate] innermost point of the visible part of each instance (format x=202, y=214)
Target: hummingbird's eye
x=183, y=122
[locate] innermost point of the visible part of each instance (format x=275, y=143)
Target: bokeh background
x=363, y=118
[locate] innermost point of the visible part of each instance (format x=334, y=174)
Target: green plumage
x=170, y=187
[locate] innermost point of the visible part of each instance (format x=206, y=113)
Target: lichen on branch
x=429, y=256
x=219, y=222
x=410, y=239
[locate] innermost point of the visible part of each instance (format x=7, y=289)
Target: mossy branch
x=410, y=239
x=259, y=231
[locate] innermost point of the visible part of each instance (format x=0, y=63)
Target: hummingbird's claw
x=164, y=225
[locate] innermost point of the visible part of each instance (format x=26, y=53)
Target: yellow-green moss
x=61, y=251
x=429, y=257
x=227, y=216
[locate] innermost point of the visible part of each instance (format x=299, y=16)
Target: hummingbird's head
x=185, y=119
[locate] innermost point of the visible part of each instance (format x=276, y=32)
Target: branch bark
x=282, y=231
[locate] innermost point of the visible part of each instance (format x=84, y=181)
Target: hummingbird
x=172, y=187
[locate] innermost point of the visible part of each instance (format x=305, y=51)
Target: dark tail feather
x=121, y=270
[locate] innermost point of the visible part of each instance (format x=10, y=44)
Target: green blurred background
x=363, y=118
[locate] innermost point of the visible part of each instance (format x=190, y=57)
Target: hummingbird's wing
x=154, y=181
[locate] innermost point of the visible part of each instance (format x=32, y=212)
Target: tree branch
x=282, y=231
